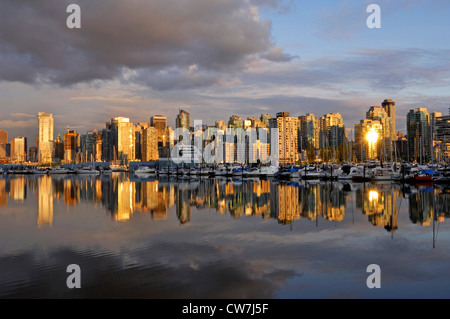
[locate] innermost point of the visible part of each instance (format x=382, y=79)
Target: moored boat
x=87, y=171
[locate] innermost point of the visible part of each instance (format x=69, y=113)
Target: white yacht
x=382, y=174
x=59, y=170
x=87, y=171
x=40, y=171
x=268, y=170
x=145, y=170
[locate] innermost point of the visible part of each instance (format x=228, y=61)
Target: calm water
x=220, y=239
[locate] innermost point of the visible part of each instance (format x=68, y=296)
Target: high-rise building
x=389, y=107
x=235, y=121
x=160, y=123
x=309, y=132
x=99, y=148
x=107, y=144
x=401, y=147
x=19, y=150
x=139, y=135
x=332, y=130
x=4, y=149
x=183, y=120
x=265, y=118
x=419, y=135
x=150, y=144
x=45, y=148
x=3, y=137
x=368, y=139
x=124, y=139
x=59, y=149
x=33, y=155
x=378, y=113
x=71, y=146
x=89, y=146
x=287, y=137
x=442, y=131
x=5, y=152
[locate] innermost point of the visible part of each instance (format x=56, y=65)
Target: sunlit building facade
x=45, y=146
x=419, y=135
x=287, y=137
x=123, y=134
x=19, y=150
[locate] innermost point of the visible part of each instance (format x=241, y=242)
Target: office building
x=379, y=113
x=19, y=150
x=235, y=122
x=332, y=130
x=368, y=135
x=45, y=147
x=389, y=107
x=287, y=137
x=71, y=146
x=123, y=135
x=149, y=145
x=442, y=131
x=419, y=135
x=183, y=120
x=59, y=149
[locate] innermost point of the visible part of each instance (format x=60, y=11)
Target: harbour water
x=221, y=238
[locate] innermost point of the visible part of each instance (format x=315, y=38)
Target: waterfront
x=221, y=238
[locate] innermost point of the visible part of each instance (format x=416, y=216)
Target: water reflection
x=284, y=202
x=45, y=202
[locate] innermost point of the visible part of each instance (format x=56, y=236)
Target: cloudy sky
x=216, y=58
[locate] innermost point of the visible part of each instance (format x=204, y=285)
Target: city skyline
x=290, y=56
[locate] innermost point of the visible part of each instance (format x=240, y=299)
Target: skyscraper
x=149, y=144
x=442, y=131
x=4, y=146
x=160, y=123
x=378, y=113
x=59, y=149
x=389, y=107
x=19, y=150
x=419, y=135
x=45, y=148
x=310, y=128
x=123, y=132
x=71, y=145
x=235, y=121
x=287, y=137
x=89, y=146
x=265, y=118
x=368, y=135
x=333, y=130
x=3, y=137
x=183, y=120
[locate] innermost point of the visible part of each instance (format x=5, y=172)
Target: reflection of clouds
x=225, y=279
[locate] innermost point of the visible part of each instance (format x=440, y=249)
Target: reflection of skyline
x=284, y=203
x=45, y=202
x=381, y=205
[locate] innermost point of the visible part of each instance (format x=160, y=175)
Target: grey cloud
x=150, y=37
x=385, y=70
x=277, y=55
